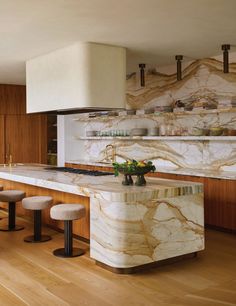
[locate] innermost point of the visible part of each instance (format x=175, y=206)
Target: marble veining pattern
x=202, y=78
x=135, y=233
x=211, y=154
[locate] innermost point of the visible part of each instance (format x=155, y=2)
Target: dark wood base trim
x=146, y=266
x=220, y=229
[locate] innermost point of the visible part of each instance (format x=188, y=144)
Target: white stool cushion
x=11, y=195
x=36, y=203
x=67, y=212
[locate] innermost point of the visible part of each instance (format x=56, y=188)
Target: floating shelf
x=171, y=138
x=156, y=115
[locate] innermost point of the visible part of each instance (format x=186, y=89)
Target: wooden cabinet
x=21, y=135
x=219, y=200
x=25, y=138
x=220, y=203
x=12, y=99
x=2, y=139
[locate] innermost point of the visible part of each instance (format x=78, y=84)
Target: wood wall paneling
x=25, y=135
x=12, y=99
x=2, y=139
x=25, y=138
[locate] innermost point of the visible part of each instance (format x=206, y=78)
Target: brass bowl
x=216, y=131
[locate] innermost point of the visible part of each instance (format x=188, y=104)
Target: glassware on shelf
x=162, y=130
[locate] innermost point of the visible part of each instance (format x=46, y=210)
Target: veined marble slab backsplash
x=209, y=155
x=195, y=154
x=201, y=79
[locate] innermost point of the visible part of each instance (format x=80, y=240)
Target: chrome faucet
x=111, y=159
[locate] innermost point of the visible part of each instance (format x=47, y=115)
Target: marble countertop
x=227, y=175
x=107, y=187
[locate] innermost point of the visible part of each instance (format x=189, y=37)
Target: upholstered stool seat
x=68, y=213
x=37, y=204
x=11, y=196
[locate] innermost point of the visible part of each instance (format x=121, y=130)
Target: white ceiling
x=152, y=30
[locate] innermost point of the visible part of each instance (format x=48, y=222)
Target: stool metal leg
x=12, y=215
x=11, y=219
x=68, y=250
x=37, y=224
x=37, y=237
x=68, y=240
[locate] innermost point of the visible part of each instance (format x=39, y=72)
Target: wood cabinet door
x=26, y=138
x=2, y=139
x=12, y=99
x=220, y=203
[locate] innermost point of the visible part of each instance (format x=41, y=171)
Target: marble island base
x=128, y=235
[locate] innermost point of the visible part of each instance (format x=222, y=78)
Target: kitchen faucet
x=9, y=158
x=113, y=154
x=9, y=161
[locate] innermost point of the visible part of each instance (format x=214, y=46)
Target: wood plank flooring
x=31, y=275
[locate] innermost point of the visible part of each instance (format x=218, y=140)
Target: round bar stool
x=37, y=204
x=11, y=197
x=68, y=213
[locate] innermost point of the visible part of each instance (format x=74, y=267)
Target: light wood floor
x=31, y=275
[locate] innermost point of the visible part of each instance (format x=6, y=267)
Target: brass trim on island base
x=148, y=266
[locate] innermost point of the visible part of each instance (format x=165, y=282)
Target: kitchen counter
x=220, y=174
x=130, y=226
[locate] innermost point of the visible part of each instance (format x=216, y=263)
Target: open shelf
x=83, y=117
x=201, y=138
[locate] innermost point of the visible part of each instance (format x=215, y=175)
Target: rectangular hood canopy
x=80, y=76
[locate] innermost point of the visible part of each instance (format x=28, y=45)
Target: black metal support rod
x=12, y=215
x=142, y=74
x=37, y=225
x=178, y=59
x=68, y=237
x=225, y=49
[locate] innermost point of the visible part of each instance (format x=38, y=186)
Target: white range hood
x=83, y=75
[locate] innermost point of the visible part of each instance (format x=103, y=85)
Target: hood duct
x=79, y=78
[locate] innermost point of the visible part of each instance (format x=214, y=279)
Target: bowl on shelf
x=139, y=132
x=197, y=132
x=153, y=131
x=216, y=131
x=91, y=133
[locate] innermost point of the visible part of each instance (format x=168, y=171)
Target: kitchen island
x=130, y=226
